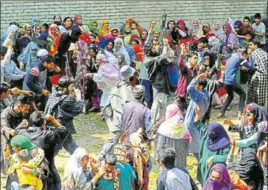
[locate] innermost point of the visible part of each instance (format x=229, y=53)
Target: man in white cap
x=118, y=97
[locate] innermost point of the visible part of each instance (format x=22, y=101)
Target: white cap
x=42, y=53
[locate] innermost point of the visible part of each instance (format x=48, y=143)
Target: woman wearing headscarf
x=24, y=40
x=195, y=30
x=230, y=40
x=207, y=32
x=182, y=29
x=174, y=133
x=229, y=21
x=143, y=36
x=107, y=76
x=18, y=143
x=219, y=179
x=77, y=173
x=28, y=56
x=119, y=47
x=53, y=39
x=5, y=34
x=218, y=31
x=249, y=169
x=93, y=27
x=104, y=27
x=214, y=147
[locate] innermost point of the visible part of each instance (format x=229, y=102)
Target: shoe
x=220, y=115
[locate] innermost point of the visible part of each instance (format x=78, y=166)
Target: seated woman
x=219, y=178
x=77, y=173
x=248, y=128
x=214, y=147
x=37, y=161
x=174, y=133
x=249, y=169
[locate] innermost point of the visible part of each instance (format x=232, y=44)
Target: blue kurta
x=201, y=99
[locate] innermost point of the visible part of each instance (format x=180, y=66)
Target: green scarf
x=90, y=24
x=22, y=142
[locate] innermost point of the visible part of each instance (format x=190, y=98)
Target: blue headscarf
x=122, y=50
x=28, y=56
x=7, y=31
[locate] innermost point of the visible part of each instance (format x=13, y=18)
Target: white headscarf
x=121, y=50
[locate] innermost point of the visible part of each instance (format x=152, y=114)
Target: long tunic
x=219, y=156
x=201, y=99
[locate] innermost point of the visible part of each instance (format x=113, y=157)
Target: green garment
x=220, y=156
x=90, y=24
x=23, y=142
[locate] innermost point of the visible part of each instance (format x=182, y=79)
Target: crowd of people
x=154, y=88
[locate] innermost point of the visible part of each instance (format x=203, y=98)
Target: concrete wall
x=118, y=11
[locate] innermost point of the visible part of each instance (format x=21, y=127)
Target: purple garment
x=219, y=139
x=258, y=112
x=224, y=183
x=43, y=35
x=228, y=32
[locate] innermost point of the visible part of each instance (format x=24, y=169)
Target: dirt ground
x=92, y=134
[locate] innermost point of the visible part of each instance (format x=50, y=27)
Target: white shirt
x=260, y=29
x=177, y=180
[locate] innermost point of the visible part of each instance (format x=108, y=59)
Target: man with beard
x=46, y=140
x=65, y=105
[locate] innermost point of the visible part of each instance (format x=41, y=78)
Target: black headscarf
x=258, y=112
x=249, y=169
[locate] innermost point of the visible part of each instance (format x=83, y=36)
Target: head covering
x=121, y=50
x=3, y=50
x=219, y=139
x=183, y=27
x=127, y=72
x=229, y=30
x=22, y=142
x=77, y=17
x=28, y=56
x=73, y=166
x=10, y=28
x=104, y=30
x=259, y=112
x=224, y=183
x=173, y=126
x=238, y=23
x=249, y=169
x=93, y=47
x=84, y=29
x=237, y=182
x=135, y=139
x=195, y=30
x=90, y=26
x=139, y=91
x=42, y=53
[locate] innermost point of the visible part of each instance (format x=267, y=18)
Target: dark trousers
x=230, y=90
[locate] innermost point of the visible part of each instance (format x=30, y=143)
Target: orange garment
x=237, y=183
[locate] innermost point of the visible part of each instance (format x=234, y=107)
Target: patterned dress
x=257, y=90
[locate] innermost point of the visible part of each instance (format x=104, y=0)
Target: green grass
x=92, y=134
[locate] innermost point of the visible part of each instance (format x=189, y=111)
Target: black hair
x=76, y=32
x=170, y=22
x=109, y=41
x=46, y=26
x=37, y=118
x=64, y=20
x=57, y=22
x=256, y=42
x=110, y=159
x=203, y=82
x=203, y=40
x=49, y=59
x=246, y=18
x=167, y=157
x=64, y=82
x=257, y=15
x=93, y=47
x=3, y=51
x=212, y=58
x=4, y=87
x=23, y=99
x=250, y=33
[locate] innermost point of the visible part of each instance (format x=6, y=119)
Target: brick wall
x=117, y=11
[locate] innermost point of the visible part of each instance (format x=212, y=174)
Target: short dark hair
x=256, y=42
x=257, y=15
x=24, y=155
x=4, y=87
x=203, y=82
x=49, y=59
x=168, y=156
x=46, y=26
x=23, y=99
x=203, y=40
x=246, y=18
x=110, y=159
x=37, y=118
